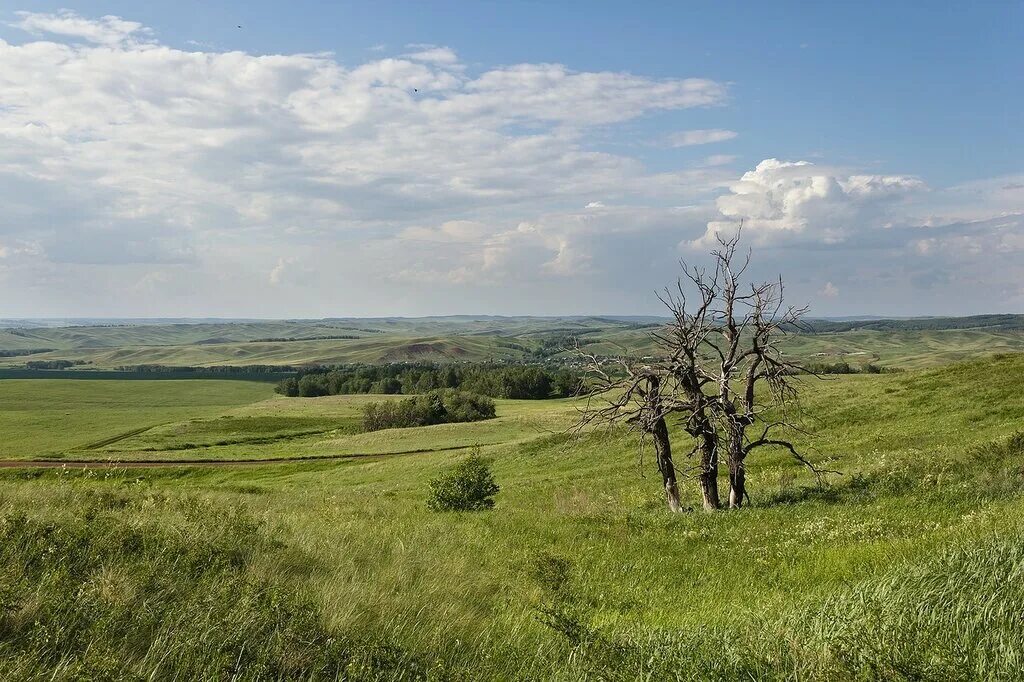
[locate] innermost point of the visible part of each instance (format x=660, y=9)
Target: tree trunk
x=663, y=451
x=737, y=484
x=708, y=477
x=737, y=472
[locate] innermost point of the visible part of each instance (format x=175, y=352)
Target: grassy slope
x=923, y=472
x=903, y=349
x=213, y=419
x=41, y=417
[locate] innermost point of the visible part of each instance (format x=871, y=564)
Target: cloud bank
x=141, y=178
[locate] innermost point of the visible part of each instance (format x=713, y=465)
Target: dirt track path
x=147, y=463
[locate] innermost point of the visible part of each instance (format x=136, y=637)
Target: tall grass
x=955, y=616
x=101, y=595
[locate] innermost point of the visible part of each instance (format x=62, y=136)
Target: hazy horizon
x=85, y=320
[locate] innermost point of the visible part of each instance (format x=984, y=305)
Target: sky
x=301, y=159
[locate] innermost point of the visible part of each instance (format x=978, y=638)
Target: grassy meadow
x=906, y=566
x=50, y=417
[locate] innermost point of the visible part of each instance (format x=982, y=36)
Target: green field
x=907, y=566
x=46, y=417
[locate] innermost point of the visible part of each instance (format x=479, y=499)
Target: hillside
x=888, y=343
x=578, y=572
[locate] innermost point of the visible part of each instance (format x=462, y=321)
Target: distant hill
x=990, y=322
x=108, y=344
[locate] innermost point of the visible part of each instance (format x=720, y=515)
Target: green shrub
x=468, y=486
x=443, y=406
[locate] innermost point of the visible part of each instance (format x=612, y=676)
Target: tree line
x=54, y=364
x=284, y=339
x=24, y=351
x=843, y=367
x=531, y=382
x=213, y=369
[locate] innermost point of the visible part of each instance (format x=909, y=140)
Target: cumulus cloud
x=689, y=138
x=432, y=53
x=899, y=246
x=116, y=149
x=108, y=30
x=797, y=199
x=279, y=271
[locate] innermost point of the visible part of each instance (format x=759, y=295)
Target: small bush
x=468, y=486
x=444, y=406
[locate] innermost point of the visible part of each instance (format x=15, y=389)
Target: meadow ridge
x=577, y=573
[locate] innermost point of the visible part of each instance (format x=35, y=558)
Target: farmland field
x=577, y=573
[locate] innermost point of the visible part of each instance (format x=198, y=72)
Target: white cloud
x=467, y=231
x=432, y=54
x=689, y=138
x=280, y=271
x=829, y=290
x=108, y=30
x=119, y=151
x=799, y=199
x=556, y=247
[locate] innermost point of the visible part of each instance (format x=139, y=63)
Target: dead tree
x=684, y=343
x=640, y=396
x=724, y=351
x=720, y=373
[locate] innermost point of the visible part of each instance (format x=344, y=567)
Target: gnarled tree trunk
x=737, y=472
x=708, y=476
x=737, y=484
x=663, y=451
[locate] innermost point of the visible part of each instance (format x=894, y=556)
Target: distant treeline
x=443, y=406
x=285, y=339
x=216, y=369
x=497, y=381
x=24, y=351
x=846, y=368
x=54, y=364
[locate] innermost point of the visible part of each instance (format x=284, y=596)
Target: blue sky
x=560, y=156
